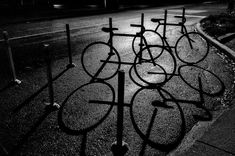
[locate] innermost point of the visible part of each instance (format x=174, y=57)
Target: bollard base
x=16, y=81
x=71, y=65
x=52, y=106
x=119, y=150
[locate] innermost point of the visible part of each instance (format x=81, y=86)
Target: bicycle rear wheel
x=212, y=85
x=191, y=48
x=152, y=38
x=158, y=72
x=158, y=118
x=100, y=61
x=80, y=113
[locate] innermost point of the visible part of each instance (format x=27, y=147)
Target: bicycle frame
x=143, y=41
x=181, y=24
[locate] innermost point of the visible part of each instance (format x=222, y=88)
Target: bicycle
x=158, y=101
x=86, y=115
x=97, y=67
x=187, y=46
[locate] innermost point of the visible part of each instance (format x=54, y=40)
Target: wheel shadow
x=24, y=138
x=202, y=90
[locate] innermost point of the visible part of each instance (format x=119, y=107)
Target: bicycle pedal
x=111, y=53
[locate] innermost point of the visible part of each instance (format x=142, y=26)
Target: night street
x=164, y=97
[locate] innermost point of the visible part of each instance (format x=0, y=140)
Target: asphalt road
x=28, y=37
x=90, y=24
x=31, y=131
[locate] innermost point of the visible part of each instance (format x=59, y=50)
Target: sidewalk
x=49, y=139
x=219, y=140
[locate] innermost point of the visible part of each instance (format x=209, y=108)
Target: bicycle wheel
x=212, y=85
x=191, y=48
x=158, y=72
x=98, y=62
x=152, y=38
x=157, y=118
x=78, y=114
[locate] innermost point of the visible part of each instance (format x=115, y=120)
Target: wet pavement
x=155, y=119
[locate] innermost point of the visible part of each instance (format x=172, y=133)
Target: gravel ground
x=31, y=130
x=231, y=44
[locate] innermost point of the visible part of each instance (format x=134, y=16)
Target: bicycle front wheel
x=156, y=72
x=100, y=61
x=191, y=48
x=86, y=107
x=157, y=118
x=150, y=38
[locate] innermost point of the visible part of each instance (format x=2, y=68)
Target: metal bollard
x=4, y=150
x=71, y=64
x=183, y=20
x=11, y=61
x=142, y=37
x=51, y=103
x=119, y=148
x=111, y=35
x=164, y=28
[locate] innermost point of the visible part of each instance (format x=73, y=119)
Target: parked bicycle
x=190, y=48
x=101, y=60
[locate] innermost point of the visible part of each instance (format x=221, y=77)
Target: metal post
x=111, y=36
x=121, y=83
x=111, y=32
x=71, y=64
x=119, y=148
x=4, y=149
x=141, y=37
x=164, y=28
x=51, y=103
x=183, y=21
x=11, y=61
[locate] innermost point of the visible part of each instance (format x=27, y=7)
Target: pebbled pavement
x=219, y=139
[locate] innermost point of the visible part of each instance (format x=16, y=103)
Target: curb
x=226, y=38
x=216, y=43
x=203, y=127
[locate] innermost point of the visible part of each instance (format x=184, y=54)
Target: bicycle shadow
x=9, y=85
x=167, y=102
x=162, y=103
x=31, y=97
x=47, y=111
x=69, y=129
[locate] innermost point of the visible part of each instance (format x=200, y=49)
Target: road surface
x=30, y=132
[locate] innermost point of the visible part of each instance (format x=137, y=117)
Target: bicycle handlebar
x=156, y=19
x=136, y=25
x=104, y=29
x=184, y=19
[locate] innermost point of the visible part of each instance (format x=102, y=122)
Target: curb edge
x=215, y=43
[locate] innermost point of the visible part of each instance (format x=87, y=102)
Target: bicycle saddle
x=156, y=19
x=104, y=29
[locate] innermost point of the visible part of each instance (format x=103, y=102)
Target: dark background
x=43, y=4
